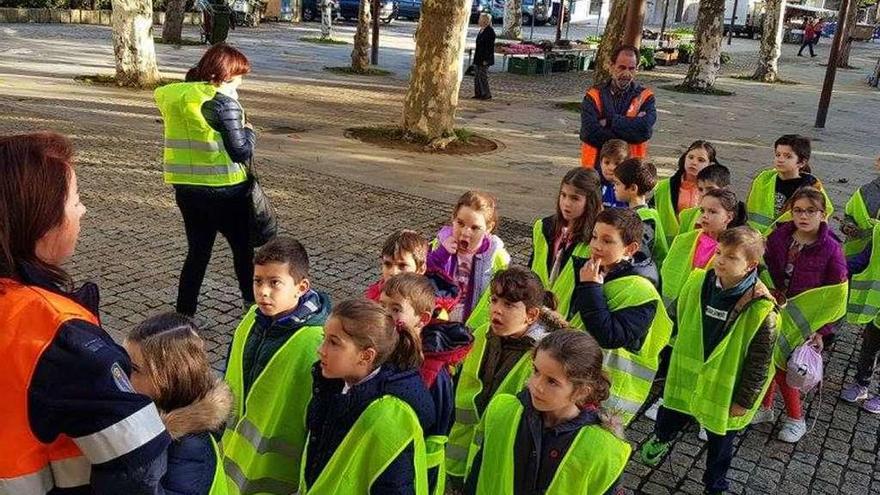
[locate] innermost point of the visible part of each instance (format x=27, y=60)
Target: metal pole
x=374, y=49
x=831, y=69
x=599, y=17
x=534, y=11
x=732, y=20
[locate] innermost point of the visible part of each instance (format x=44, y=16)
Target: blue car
x=409, y=9
x=348, y=10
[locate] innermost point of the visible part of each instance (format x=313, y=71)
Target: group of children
x=457, y=373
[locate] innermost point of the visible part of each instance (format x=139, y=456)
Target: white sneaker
x=651, y=412
x=792, y=430
x=702, y=435
x=764, y=416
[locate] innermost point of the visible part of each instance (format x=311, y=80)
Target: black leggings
x=868, y=355
x=207, y=211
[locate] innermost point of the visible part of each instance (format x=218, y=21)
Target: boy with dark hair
x=409, y=298
x=612, y=154
x=269, y=370
x=634, y=180
x=406, y=251
x=617, y=302
x=720, y=365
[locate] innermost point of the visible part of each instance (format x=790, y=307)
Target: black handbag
x=263, y=221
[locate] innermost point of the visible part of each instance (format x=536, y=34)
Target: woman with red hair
x=72, y=423
x=207, y=146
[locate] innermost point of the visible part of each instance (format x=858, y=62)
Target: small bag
x=804, y=368
x=263, y=224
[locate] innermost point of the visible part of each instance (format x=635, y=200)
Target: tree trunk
x=132, y=24
x=635, y=19
x=432, y=97
x=360, y=54
x=708, y=34
x=615, y=28
x=173, y=26
x=512, y=20
x=846, y=45
x=771, y=42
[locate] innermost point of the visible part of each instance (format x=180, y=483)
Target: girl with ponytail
x=367, y=391
x=580, y=449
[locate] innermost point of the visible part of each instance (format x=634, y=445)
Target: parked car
x=409, y=9
x=311, y=10
x=348, y=10
x=528, y=9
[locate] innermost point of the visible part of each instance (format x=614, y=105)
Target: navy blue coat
x=332, y=414
x=617, y=125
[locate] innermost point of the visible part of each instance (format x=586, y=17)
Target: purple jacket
x=441, y=260
x=821, y=263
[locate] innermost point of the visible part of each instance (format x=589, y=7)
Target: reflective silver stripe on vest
x=186, y=144
x=123, y=437
x=799, y=320
x=262, y=485
x=862, y=309
x=759, y=218
x=262, y=444
x=201, y=169
x=619, y=403
x=864, y=285
x=620, y=363
x=466, y=416
x=456, y=453
x=73, y=472
x=38, y=483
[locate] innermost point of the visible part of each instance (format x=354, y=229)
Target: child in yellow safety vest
x=714, y=176
x=863, y=260
x=771, y=191
x=616, y=301
x=806, y=265
x=369, y=408
x=721, y=364
x=499, y=362
x=170, y=366
x=634, y=179
x=679, y=192
x=553, y=437
x=559, y=240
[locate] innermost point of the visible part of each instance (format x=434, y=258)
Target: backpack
x=804, y=368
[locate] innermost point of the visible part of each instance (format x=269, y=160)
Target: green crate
x=523, y=66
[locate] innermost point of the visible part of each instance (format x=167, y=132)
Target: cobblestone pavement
x=342, y=199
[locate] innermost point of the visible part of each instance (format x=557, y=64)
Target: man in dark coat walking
x=484, y=56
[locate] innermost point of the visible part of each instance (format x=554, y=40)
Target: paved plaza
x=341, y=198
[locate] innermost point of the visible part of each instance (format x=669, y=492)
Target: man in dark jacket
x=484, y=56
x=618, y=109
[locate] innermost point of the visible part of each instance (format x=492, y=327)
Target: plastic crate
x=524, y=66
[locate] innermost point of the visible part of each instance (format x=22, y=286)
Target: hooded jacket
x=626, y=327
x=191, y=458
x=332, y=414
x=444, y=345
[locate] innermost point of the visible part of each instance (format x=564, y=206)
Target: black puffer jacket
x=225, y=115
x=625, y=327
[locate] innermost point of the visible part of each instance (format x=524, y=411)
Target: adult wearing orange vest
x=72, y=423
x=618, y=109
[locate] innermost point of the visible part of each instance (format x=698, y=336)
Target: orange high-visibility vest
x=589, y=154
x=30, y=318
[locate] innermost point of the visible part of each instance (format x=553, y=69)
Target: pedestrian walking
x=484, y=57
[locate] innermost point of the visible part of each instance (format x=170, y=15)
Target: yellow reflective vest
x=679, y=264
x=194, y=152
x=862, y=212
x=469, y=386
x=264, y=443
x=666, y=210
x=761, y=203
x=385, y=428
x=592, y=464
x=661, y=245
x=703, y=387
x=563, y=285
x=864, y=288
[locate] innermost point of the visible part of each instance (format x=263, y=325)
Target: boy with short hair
x=617, y=302
x=269, y=370
x=406, y=251
x=721, y=363
x=634, y=179
x=613, y=152
x=409, y=298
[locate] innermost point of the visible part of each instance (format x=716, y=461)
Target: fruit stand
x=545, y=57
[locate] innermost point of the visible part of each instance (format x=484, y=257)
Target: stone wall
x=78, y=16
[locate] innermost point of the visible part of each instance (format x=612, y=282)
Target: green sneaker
x=653, y=451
